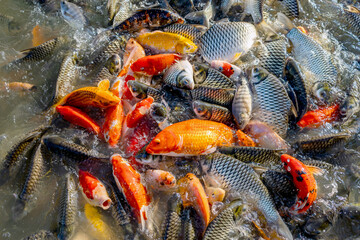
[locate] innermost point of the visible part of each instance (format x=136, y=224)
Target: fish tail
x=286, y=23
x=19, y=209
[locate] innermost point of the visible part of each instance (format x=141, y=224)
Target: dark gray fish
x=41, y=235
x=183, y=7
x=18, y=150
x=223, y=97
x=66, y=77
x=291, y=8
x=319, y=164
x=273, y=105
x=110, y=70
x=187, y=231
x=115, y=46
x=320, y=144
x=242, y=105
x=172, y=223
x=141, y=91
x=34, y=171
x=13, y=26
x=216, y=79
x=158, y=112
x=220, y=227
x=352, y=17
x=68, y=208
x=73, y=14
x=253, y=154
x=238, y=177
x=227, y=41
x=73, y=151
x=192, y=32
x=272, y=57
x=200, y=72
x=293, y=76
x=212, y=112
x=180, y=75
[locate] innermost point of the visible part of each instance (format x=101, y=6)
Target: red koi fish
x=304, y=181
x=229, y=70
x=137, y=140
x=78, y=118
x=155, y=64
x=134, y=117
x=128, y=180
x=112, y=127
x=318, y=117
x=94, y=191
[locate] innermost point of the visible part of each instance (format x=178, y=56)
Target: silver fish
x=187, y=231
x=115, y=46
x=220, y=96
x=113, y=7
x=172, y=222
x=255, y=8
x=202, y=17
x=216, y=79
x=227, y=41
x=110, y=70
x=180, y=75
x=240, y=178
x=212, y=112
x=352, y=16
x=73, y=14
x=291, y=8
x=273, y=105
x=226, y=5
x=125, y=10
x=242, y=104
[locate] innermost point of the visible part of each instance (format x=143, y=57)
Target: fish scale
x=273, y=103
x=352, y=16
x=116, y=46
x=180, y=75
x=225, y=41
x=118, y=211
x=186, y=30
x=242, y=104
x=291, y=8
x=237, y=176
x=272, y=58
x=187, y=231
x=171, y=226
x=322, y=143
x=212, y=112
x=216, y=79
x=222, y=97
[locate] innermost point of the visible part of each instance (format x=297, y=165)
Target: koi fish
x=93, y=190
x=134, y=117
x=228, y=69
x=79, y=118
x=318, y=117
x=193, y=194
x=215, y=194
x=98, y=96
x=159, y=179
x=304, y=181
x=112, y=127
x=128, y=180
x=133, y=51
x=137, y=140
x=102, y=230
x=155, y=64
x=16, y=86
x=244, y=140
x=191, y=137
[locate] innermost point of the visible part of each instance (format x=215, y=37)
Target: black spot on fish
x=300, y=172
x=312, y=191
x=307, y=204
x=299, y=178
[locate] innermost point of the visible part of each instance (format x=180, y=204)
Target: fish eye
x=200, y=109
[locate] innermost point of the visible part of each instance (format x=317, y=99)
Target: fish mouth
x=185, y=82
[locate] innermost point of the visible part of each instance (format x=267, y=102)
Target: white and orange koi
x=159, y=179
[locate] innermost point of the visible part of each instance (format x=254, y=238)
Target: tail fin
x=285, y=22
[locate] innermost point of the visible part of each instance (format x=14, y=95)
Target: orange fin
x=315, y=170
x=104, y=84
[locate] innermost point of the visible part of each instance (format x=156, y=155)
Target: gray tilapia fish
x=73, y=151
x=115, y=46
x=216, y=79
x=180, y=75
x=41, y=235
x=34, y=171
x=352, y=17
x=66, y=77
x=227, y=41
x=203, y=16
x=192, y=32
x=320, y=144
x=226, y=5
x=68, y=208
x=141, y=91
x=220, y=96
x=319, y=164
x=212, y=112
x=187, y=231
x=110, y=70
x=158, y=112
x=113, y=7
x=293, y=76
x=73, y=14
x=220, y=227
x=171, y=225
x=13, y=26
x=253, y=154
x=316, y=61
x=273, y=105
x=125, y=10
x=240, y=178
x=255, y=9
x=291, y=8
x=200, y=72
x=242, y=104
x=18, y=150
x=272, y=57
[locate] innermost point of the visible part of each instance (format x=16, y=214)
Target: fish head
x=14, y=27
x=184, y=80
x=321, y=91
x=158, y=112
x=200, y=72
x=137, y=89
x=349, y=107
x=202, y=109
x=164, y=142
x=185, y=47
x=105, y=98
x=114, y=64
x=257, y=74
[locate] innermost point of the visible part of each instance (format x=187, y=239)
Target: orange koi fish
x=318, y=117
x=155, y=64
x=229, y=70
x=112, y=127
x=193, y=194
x=191, y=137
x=93, y=190
x=79, y=118
x=134, y=117
x=160, y=180
x=38, y=36
x=244, y=140
x=128, y=180
x=98, y=96
x=304, y=181
x=133, y=51
x=16, y=86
